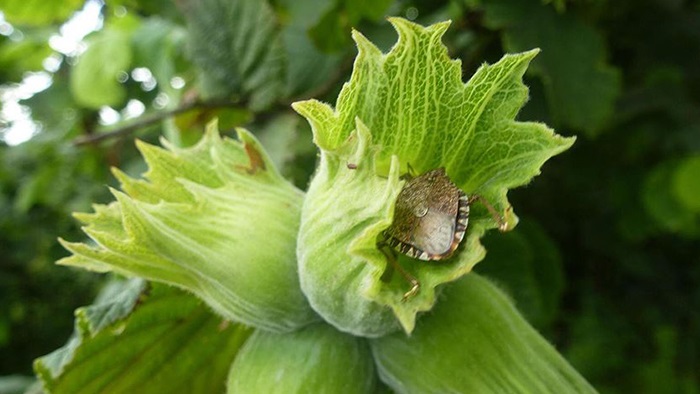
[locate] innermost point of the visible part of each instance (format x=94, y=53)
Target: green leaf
x=36, y=12
x=307, y=67
x=441, y=122
x=155, y=44
x=330, y=33
x=414, y=107
x=581, y=86
x=18, y=57
x=596, y=347
x=302, y=13
x=150, y=339
x=94, y=78
x=660, y=198
x=53, y=107
x=35, y=188
x=283, y=141
x=474, y=341
x=661, y=374
x=215, y=219
x=559, y=5
x=315, y=359
x=16, y=384
x=527, y=263
x=237, y=47
x=686, y=183
x=370, y=9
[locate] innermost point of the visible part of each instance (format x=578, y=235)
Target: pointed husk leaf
x=418, y=113
x=215, y=219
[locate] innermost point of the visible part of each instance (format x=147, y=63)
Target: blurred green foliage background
x=605, y=261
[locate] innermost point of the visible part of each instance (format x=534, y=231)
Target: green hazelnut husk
x=315, y=359
x=474, y=341
x=216, y=219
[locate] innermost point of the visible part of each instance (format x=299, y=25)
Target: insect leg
x=502, y=224
x=392, y=257
x=410, y=173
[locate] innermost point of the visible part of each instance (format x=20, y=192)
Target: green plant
x=218, y=221
x=603, y=261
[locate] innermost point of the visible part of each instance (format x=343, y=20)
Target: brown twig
x=92, y=138
x=148, y=120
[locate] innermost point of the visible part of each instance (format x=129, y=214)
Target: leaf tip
x=121, y=176
x=309, y=108
x=125, y=202
x=408, y=323
x=212, y=127
x=148, y=151
x=531, y=53
x=318, y=114
x=63, y=243
x=402, y=25
x=257, y=157
x=118, y=194
x=364, y=46
x=567, y=142
x=140, y=144
x=82, y=217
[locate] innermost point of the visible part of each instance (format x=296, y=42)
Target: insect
x=430, y=219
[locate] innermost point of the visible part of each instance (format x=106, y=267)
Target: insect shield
x=430, y=220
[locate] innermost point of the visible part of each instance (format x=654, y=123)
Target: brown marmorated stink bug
x=430, y=220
